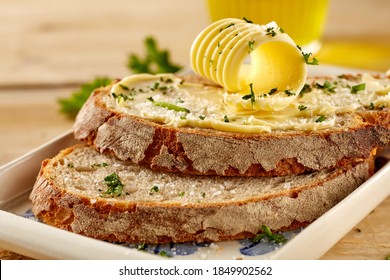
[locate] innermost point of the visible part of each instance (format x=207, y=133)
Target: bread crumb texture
x=157, y=207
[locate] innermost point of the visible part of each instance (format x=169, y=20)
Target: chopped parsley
x=326, y=86
x=320, y=119
x=306, y=57
x=120, y=97
x=356, y=88
x=225, y=118
x=229, y=25
x=289, y=93
x=164, y=254
x=142, y=246
x=202, y=117
x=123, y=87
x=273, y=90
x=182, y=194
x=250, y=96
x=251, y=43
x=270, y=31
x=114, y=184
x=153, y=190
x=372, y=106
x=168, y=106
x=247, y=20
x=306, y=88
x=103, y=164
x=301, y=107
x=314, y=60
x=277, y=238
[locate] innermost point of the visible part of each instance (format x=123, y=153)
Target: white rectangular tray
x=40, y=241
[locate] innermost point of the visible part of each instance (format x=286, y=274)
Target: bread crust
x=208, y=152
x=158, y=222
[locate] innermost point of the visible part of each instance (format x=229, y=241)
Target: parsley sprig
x=71, y=106
x=155, y=61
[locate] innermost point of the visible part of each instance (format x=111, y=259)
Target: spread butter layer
x=167, y=99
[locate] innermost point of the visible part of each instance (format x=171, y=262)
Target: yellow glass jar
x=303, y=20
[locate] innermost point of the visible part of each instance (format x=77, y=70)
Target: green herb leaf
x=122, y=96
x=142, y=246
x=277, y=238
x=168, y=106
x=154, y=189
x=103, y=164
x=272, y=91
x=306, y=57
x=251, y=43
x=306, y=88
x=356, y=88
x=314, y=60
x=164, y=254
x=114, y=184
x=250, y=96
x=225, y=118
x=289, y=93
x=71, y=106
x=326, y=86
x=156, y=60
x=229, y=25
x=301, y=107
x=123, y=86
x=270, y=31
x=320, y=119
x=247, y=20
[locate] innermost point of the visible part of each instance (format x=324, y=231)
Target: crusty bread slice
x=203, y=151
x=155, y=207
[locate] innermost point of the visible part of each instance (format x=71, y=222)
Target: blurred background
x=52, y=41
x=48, y=48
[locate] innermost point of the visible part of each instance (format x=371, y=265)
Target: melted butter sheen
x=165, y=98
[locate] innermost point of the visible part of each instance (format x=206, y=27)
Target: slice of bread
x=155, y=207
x=201, y=151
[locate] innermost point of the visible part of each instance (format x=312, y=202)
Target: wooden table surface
x=48, y=48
